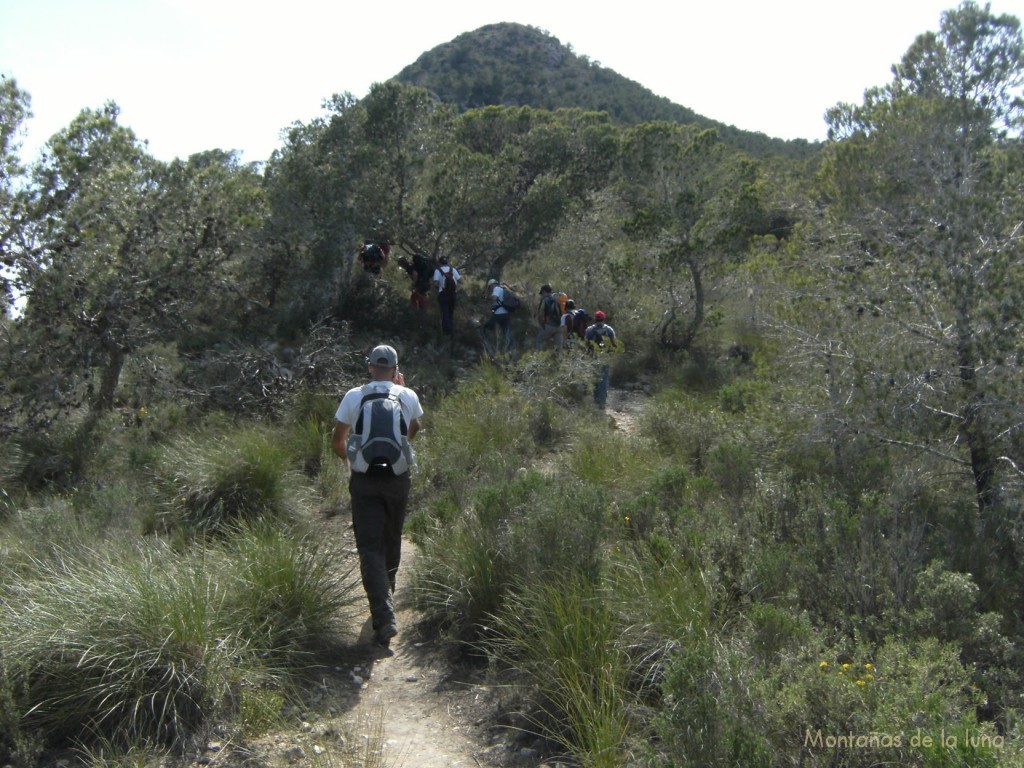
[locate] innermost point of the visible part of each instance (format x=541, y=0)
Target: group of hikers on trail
x=567, y=325
x=376, y=422
x=424, y=271
x=561, y=321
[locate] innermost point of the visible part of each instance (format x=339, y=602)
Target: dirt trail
x=625, y=407
x=431, y=716
x=408, y=706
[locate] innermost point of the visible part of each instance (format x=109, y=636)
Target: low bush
x=217, y=480
x=530, y=527
x=44, y=459
x=147, y=645
x=561, y=635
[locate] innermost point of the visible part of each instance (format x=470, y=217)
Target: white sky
x=192, y=75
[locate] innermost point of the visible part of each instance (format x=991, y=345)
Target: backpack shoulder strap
x=367, y=397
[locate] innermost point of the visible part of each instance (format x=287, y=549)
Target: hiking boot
x=383, y=635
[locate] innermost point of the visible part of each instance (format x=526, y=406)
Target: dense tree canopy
x=118, y=250
x=925, y=176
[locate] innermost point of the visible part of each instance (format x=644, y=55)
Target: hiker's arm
x=339, y=440
x=414, y=427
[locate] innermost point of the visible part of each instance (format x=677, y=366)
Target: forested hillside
x=512, y=65
x=809, y=550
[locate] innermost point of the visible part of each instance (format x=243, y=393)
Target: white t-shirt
x=498, y=294
x=348, y=410
x=439, y=276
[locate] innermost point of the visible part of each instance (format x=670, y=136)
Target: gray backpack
x=379, y=444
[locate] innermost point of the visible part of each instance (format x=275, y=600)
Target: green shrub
x=710, y=714
x=737, y=396
x=144, y=644
x=563, y=637
x=45, y=459
x=774, y=631
x=663, y=599
x=683, y=427
x=481, y=430
x=461, y=579
x=214, y=481
x=898, y=692
x=530, y=527
x=287, y=593
x=122, y=642
x=726, y=702
x=48, y=529
x=305, y=439
x=611, y=460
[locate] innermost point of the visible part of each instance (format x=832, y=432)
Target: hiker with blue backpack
x=373, y=426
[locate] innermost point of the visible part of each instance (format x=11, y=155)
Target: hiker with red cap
x=596, y=337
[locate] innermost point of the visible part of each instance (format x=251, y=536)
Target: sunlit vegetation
x=804, y=546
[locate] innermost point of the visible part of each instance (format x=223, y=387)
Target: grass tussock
x=213, y=481
x=147, y=642
x=565, y=640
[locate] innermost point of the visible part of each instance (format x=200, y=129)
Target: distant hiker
x=373, y=426
x=562, y=298
x=420, y=270
x=549, y=318
x=447, y=278
x=500, y=321
x=374, y=256
x=574, y=323
x=596, y=337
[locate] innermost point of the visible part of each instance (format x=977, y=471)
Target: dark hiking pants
x=446, y=302
x=378, y=514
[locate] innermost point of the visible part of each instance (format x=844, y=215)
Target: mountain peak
x=514, y=65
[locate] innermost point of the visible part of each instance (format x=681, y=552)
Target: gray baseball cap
x=383, y=356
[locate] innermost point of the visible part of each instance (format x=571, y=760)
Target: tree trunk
x=974, y=428
x=104, y=400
